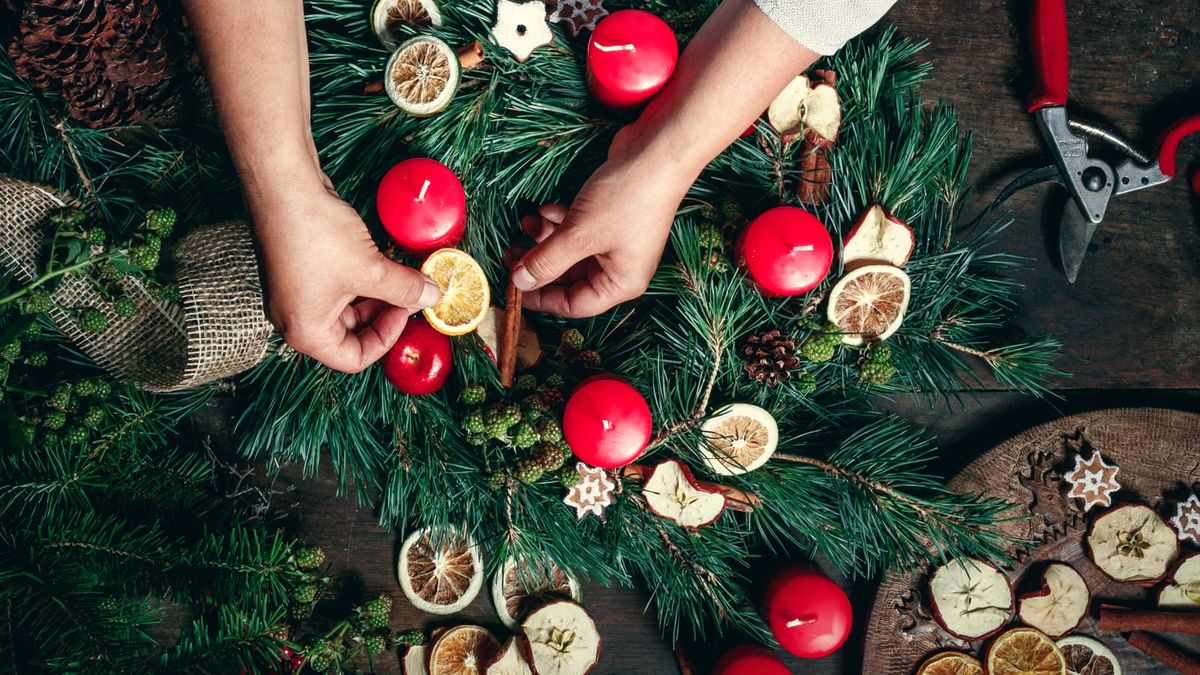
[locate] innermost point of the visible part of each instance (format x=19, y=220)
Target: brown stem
x=854, y=476
x=103, y=549
x=1125, y=619
x=87, y=183
x=1165, y=653
x=986, y=356
x=706, y=576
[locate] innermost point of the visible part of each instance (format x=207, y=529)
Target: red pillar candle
x=750, y=660
x=786, y=251
x=809, y=615
x=422, y=205
x=607, y=422
x=630, y=56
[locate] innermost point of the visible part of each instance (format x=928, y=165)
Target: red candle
x=808, y=613
x=607, y=422
x=786, y=251
x=750, y=660
x=631, y=55
x=422, y=205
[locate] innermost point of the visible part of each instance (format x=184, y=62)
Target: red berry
x=297, y=663
x=420, y=361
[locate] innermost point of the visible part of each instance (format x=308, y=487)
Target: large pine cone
x=113, y=61
x=770, y=357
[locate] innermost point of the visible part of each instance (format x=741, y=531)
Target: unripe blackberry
x=526, y=382
x=475, y=394
x=571, y=340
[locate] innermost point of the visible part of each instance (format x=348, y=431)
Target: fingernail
x=522, y=279
x=430, y=294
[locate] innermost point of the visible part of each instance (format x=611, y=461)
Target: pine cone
x=770, y=357
x=112, y=60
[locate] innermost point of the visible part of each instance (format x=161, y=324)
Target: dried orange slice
x=388, y=17
x=518, y=591
x=1025, y=651
x=422, y=76
x=463, y=650
x=439, y=572
x=739, y=439
x=465, y=291
x=869, y=303
x=950, y=663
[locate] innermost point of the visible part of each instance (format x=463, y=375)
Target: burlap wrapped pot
x=219, y=329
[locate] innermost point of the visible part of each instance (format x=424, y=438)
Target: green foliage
x=846, y=483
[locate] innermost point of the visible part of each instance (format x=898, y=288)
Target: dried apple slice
x=415, y=659
x=807, y=103
x=673, y=493
x=879, y=238
x=1132, y=543
x=970, y=598
x=510, y=660
x=562, y=639
x=1061, y=603
x=1183, y=591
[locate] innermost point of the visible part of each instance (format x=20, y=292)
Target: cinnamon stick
x=1165, y=653
x=735, y=499
x=1125, y=619
x=510, y=335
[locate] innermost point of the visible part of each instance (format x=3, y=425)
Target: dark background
x=1129, y=324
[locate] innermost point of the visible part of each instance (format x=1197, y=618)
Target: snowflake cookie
x=594, y=492
x=1093, y=481
x=1187, y=520
x=521, y=27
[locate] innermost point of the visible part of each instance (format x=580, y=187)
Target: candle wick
x=607, y=425
x=615, y=48
x=805, y=247
x=424, y=189
x=802, y=621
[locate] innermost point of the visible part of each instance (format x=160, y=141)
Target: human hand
x=605, y=248
x=330, y=291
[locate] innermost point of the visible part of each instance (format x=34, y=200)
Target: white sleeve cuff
x=824, y=25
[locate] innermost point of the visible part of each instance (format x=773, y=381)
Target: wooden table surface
x=1130, y=323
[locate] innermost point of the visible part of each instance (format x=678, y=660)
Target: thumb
x=549, y=260
x=402, y=286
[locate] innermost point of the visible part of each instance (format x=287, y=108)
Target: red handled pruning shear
x=1092, y=182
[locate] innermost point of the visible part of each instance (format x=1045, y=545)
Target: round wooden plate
x=1158, y=452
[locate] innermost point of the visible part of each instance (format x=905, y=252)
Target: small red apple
x=421, y=359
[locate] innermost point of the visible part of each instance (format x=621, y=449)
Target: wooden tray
x=1158, y=452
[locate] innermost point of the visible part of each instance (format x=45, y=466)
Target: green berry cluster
x=161, y=221
x=524, y=433
x=718, y=223
x=309, y=557
x=571, y=350
x=822, y=344
x=876, y=367
x=69, y=413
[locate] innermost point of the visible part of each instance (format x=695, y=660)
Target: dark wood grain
x=1130, y=323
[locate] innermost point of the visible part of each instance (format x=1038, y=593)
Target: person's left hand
x=604, y=249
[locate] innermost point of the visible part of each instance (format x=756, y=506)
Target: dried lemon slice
x=1025, y=651
x=439, y=572
x=463, y=650
x=465, y=291
x=739, y=439
x=388, y=17
x=869, y=303
x=422, y=76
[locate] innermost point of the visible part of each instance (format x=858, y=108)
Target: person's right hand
x=330, y=291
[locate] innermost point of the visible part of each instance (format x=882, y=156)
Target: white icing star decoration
x=521, y=27
x=1093, y=481
x=593, y=493
x=1187, y=520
